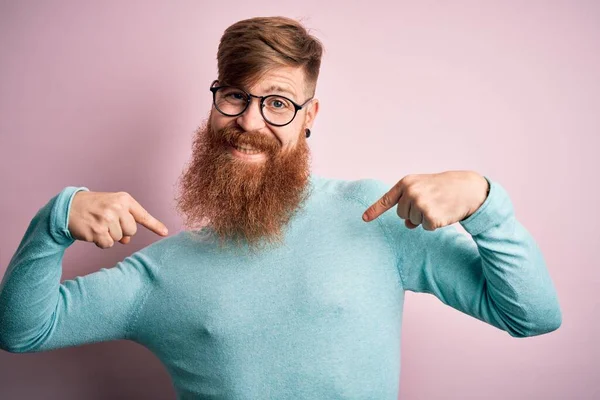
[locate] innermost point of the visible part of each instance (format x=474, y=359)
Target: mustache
x=236, y=136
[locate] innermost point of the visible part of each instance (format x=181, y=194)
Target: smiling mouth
x=247, y=149
x=247, y=153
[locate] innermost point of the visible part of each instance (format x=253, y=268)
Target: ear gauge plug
x=307, y=132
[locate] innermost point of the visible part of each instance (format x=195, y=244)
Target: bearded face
x=243, y=185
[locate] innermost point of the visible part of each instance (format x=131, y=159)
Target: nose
x=251, y=119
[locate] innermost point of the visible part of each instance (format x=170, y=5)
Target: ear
x=311, y=113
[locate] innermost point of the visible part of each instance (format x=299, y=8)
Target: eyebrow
x=280, y=89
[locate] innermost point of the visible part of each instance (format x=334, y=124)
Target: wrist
x=482, y=190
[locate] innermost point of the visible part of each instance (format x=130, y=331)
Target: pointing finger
x=144, y=218
x=386, y=202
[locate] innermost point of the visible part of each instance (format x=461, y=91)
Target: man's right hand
x=105, y=218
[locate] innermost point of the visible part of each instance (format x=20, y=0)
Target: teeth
x=247, y=150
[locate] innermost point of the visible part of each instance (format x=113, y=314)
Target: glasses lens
x=230, y=101
x=278, y=110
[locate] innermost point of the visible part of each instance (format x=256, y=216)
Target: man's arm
x=497, y=275
x=38, y=313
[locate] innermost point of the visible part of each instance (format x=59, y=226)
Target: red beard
x=243, y=201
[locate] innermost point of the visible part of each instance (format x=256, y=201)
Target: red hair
x=251, y=47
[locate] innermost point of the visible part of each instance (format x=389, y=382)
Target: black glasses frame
x=297, y=107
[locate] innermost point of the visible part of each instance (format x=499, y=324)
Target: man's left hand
x=433, y=200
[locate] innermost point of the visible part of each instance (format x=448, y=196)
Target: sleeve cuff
x=59, y=218
x=496, y=208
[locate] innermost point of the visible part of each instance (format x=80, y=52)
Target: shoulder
x=155, y=254
x=361, y=191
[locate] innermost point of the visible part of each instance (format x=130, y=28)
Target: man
x=292, y=287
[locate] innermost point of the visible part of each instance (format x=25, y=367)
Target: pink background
x=108, y=94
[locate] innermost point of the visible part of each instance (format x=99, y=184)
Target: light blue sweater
x=318, y=318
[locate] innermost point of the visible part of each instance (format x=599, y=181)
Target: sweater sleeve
x=496, y=274
x=38, y=312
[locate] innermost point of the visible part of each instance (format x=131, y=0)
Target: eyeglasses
x=276, y=110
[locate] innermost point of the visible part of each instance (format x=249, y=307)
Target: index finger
x=144, y=218
x=386, y=202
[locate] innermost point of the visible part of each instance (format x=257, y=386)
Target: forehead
x=287, y=81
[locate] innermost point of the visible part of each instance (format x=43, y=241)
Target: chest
x=319, y=286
